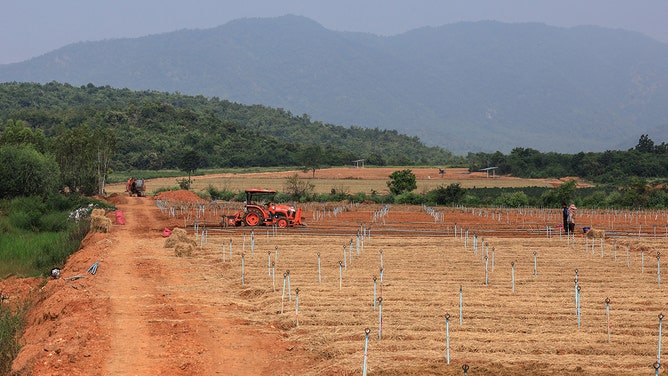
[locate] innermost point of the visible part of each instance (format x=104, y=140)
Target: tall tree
x=645, y=144
x=402, y=181
x=190, y=161
x=83, y=153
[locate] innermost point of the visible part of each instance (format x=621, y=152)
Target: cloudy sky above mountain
x=29, y=28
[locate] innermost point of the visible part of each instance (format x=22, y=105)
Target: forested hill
x=154, y=130
x=467, y=87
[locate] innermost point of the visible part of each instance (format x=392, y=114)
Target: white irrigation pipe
x=366, y=349
x=447, y=338
x=578, y=308
x=374, y=292
x=607, y=315
x=614, y=251
x=658, y=356
x=576, y=291
x=297, y=306
x=345, y=258
x=658, y=267
x=475, y=244
x=243, y=275
x=380, y=317
x=269, y=263
x=461, y=305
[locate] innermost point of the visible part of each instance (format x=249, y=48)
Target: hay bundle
x=179, y=235
x=98, y=213
x=183, y=249
x=596, y=234
x=100, y=224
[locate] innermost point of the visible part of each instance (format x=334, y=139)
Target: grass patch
x=12, y=321
x=37, y=234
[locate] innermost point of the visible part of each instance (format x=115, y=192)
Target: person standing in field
x=564, y=209
x=571, y=218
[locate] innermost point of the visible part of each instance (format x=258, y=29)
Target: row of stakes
x=348, y=256
x=578, y=291
x=377, y=301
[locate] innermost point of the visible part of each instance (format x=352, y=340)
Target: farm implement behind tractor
x=260, y=210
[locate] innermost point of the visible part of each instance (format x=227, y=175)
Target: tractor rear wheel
x=282, y=222
x=252, y=218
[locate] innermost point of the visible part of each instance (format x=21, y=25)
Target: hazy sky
x=29, y=28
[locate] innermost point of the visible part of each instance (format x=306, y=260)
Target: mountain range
x=467, y=87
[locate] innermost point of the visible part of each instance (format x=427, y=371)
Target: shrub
x=222, y=194
x=409, y=198
x=25, y=172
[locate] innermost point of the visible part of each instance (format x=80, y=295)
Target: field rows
x=534, y=329
x=534, y=325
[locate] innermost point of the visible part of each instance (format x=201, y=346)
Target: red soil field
x=146, y=311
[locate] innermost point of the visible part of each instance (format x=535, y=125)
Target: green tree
x=402, y=181
x=566, y=192
x=636, y=193
x=84, y=154
x=189, y=162
x=297, y=188
x=16, y=133
x=311, y=157
x=26, y=172
x=645, y=144
x=105, y=146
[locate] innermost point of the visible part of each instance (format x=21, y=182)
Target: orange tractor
x=136, y=187
x=260, y=210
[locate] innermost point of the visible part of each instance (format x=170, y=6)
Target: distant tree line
x=646, y=160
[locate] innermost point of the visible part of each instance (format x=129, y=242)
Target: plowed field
x=297, y=301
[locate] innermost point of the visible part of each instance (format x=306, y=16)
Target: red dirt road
x=144, y=312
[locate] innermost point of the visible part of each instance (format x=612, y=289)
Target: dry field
x=148, y=311
x=345, y=179
x=518, y=305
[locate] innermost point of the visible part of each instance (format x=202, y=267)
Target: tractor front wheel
x=282, y=222
x=252, y=218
